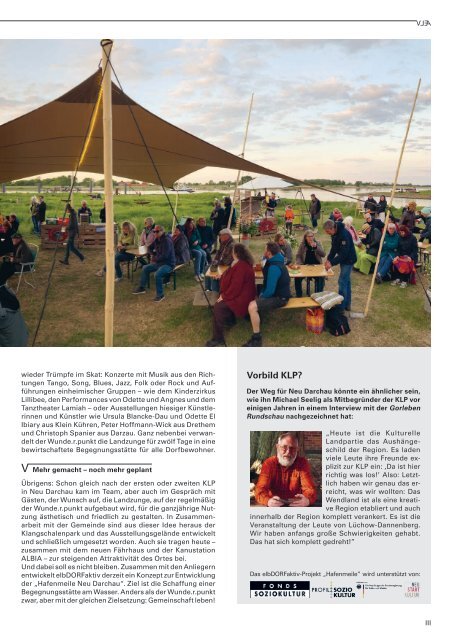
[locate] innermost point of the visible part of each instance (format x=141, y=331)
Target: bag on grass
x=336, y=322
x=314, y=320
x=327, y=299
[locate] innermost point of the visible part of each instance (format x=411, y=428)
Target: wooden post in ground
x=395, y=182
x=108, y=191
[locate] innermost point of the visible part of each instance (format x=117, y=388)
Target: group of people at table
x=227, y=267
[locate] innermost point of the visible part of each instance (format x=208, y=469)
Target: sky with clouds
x=322, y=108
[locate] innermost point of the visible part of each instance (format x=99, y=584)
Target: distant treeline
x=65, y=181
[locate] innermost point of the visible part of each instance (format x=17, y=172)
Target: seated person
x=127, y=240
x=6, y=243
x=180, y=245
x=285, y=479
x=275, y=292
x=366, y=258
x=162, y=263
x=348, y=223
x=409, y=215
x=237, y=290
x=84, y=209
x=289, y=219
x=373, y=221
x=147, y=235
x=310, y=251
x=207, y=237
x=13, y=330
x=388, y=253
x=22, y=253
x=285, y=247
x=196, y=251
x=336, y=215
x=14, y=222
x=146, y=239
x=223, y=257
x=403, y=268
x=426, y=233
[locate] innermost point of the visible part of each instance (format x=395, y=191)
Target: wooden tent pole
x=384, y=230
x=239, y=172
x=108, y=191
x=176, y=209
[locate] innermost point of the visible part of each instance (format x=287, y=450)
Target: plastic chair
x=28, y=267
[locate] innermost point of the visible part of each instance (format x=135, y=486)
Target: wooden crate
x=49, y=236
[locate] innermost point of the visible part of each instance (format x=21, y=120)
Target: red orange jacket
x=285, y=482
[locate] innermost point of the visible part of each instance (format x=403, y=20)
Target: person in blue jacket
x=274, y=294
x=342, y=253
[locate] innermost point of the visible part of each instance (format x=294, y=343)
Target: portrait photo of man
x=286, y=478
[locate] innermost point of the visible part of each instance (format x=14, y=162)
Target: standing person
x=34, y=214
x=310, y=252
x=370, y=204
x=237, y=290
x=85, y=209
x=343, y=253
x=381, y=208
x=272, y=203
x=315, y=212
x=42, y=208
x=275, y=292
x=217, y=219
x=228, y=206
x=289, y=219
x=163, y=263
x=102, y=214
x=73, y=231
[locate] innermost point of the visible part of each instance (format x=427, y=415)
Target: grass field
x=74, y=314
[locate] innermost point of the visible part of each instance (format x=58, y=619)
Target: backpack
x=336, y=322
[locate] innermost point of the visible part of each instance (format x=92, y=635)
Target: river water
x=341, y=194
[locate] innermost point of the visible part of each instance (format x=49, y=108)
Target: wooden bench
x=173, y=273
x=301, y=303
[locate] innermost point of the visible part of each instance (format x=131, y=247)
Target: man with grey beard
x=285, y=479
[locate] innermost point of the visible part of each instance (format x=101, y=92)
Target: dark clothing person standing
x=342, y=253
x=315, y=212
x=73, y=232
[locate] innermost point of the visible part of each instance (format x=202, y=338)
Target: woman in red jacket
x=237, y=290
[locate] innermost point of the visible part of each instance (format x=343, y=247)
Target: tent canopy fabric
x=51, y=138
x=265, y=182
